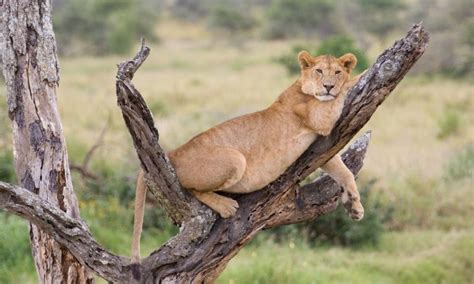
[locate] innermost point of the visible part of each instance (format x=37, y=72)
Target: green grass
x=16, y=263
x=403, y=257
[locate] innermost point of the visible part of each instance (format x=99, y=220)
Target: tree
x=205, y=243
x=30, y=68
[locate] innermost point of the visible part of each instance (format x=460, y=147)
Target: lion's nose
x=328, y=87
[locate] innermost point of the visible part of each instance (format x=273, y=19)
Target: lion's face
x=323, y=76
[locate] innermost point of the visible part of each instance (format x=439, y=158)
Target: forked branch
x=204, y=246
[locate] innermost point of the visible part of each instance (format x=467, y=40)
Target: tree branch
x=71, y=233
x=159, y=173
x=74, y=234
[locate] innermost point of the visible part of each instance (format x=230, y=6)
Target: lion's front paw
x=355, y=209
x=226, y=207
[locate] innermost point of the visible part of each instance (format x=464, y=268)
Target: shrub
x=7, y=171
x=190, y=10
x=100, y=27
x=338, y=228
x=462, y=164
x=336, y=46
x=380, y=17
x=449, y=122
x=16, y=265
x=289, y=18
x=231, y=19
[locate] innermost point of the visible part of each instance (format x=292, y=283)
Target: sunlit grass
x=409, y=257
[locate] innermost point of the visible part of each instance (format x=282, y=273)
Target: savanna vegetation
x=211, y=62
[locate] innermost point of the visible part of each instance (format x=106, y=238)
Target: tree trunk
x=30, y=68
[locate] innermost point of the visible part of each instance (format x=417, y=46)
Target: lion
x=246, y=153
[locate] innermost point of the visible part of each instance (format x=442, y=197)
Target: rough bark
x=206, y=243
x=204, y=246
x=30, y=68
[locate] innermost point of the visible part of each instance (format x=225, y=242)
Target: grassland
x=421, y=155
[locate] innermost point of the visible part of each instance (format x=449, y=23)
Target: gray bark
x=30, y=68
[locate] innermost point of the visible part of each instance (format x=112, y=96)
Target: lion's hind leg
x=205, y=170
x=225, y=206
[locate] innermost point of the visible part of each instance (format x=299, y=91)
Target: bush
x=449, y=122
x=290, y=18
x=380, y=17
x=462, y=164
x=16, y=265
x=338, y=228
x=7, y=171
x=231, y=19
x=110, y=200
x=190, y=10
x=336, y=46
x=99, y=27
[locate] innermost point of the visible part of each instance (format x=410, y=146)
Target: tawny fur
x=246, y=153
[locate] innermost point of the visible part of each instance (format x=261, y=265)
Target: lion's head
x=323, y=76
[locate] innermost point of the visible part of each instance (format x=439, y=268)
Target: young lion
x=246, y=153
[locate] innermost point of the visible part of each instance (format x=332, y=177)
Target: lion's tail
x=140, y=196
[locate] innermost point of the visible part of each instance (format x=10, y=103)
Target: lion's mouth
x=325, y=97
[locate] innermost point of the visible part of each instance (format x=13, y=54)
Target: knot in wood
x=389, y=69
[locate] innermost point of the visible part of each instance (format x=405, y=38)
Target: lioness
x=246, y=153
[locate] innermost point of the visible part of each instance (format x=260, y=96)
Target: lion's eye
x=338, y=71
x=319, y=71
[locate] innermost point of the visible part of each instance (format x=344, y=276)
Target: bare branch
x=83, y=169
x=71, y=233
x=160, y=175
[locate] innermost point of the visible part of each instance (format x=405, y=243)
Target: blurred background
x=214, y=60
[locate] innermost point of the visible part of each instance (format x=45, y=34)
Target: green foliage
x=468, y=36
x=402, y=257
x=462, y=164
x=381, y=16
x=339, y=45
x=7, y=170
x=98, y=27
x=230, y=18
x=190, y=10
x=449, y=123
x=339, y=229
x=110, y=199
x=290, y=18
x=16, y=265
x=336, y=46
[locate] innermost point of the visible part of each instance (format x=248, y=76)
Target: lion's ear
x=305, y=59
x=349, y=61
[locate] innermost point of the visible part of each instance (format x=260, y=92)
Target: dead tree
x=30, y=68
x=205, y=242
